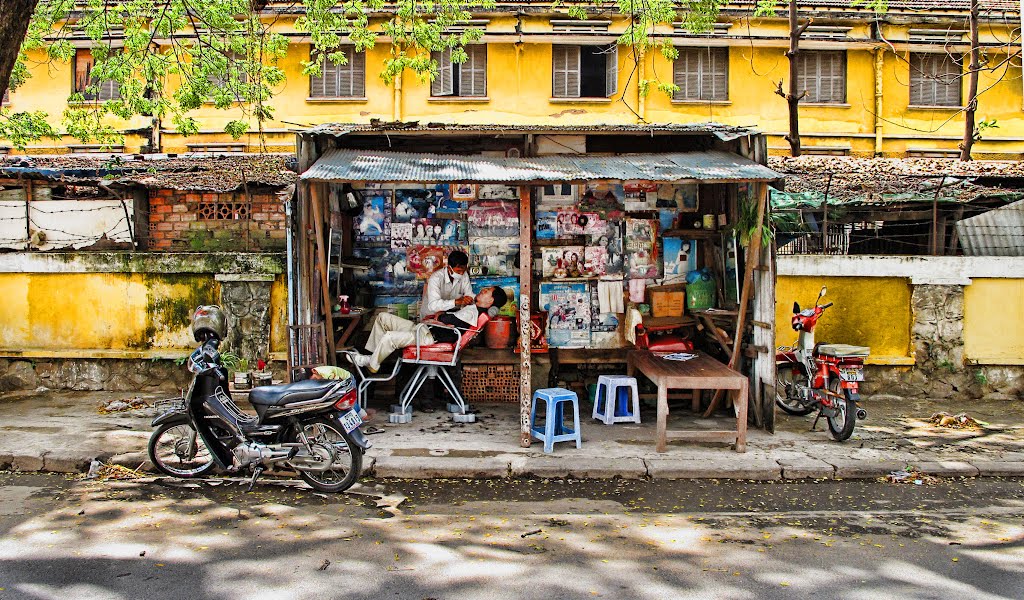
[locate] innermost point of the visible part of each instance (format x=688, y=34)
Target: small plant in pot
x=241, y=378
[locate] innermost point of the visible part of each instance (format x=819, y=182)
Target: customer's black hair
x=458, y=258
x=500, y=297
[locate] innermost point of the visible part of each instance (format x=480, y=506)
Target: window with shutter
x=235, y=66
x=935, y=80
x=444, y=83
x=702, y=74
x=565, y=71
x=83, y=65
x=341, y=81
x=473, y=72
x=611, y=73
x=822, y=73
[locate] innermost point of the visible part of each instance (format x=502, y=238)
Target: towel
x=609, y=297
x=633, y=318
x=637, y=288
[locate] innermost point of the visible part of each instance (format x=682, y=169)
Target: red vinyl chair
x=434, y=362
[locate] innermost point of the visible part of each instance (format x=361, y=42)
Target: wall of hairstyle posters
x=406, y=231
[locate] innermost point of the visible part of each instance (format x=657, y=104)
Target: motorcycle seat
x=286, y=393
x=843, y=350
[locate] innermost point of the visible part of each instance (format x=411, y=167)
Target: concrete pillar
x=246, y=300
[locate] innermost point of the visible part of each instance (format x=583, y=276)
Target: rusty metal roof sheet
x=355, y=165
x=999, y=232
x=718, y=130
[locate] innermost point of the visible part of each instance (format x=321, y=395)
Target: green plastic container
x=700, y=295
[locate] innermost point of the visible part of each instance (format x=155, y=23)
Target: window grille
x=224, y=211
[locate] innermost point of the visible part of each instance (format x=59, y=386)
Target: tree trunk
x=793, y=98
x=13, y=25
x=972, y=86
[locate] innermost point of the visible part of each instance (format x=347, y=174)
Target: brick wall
x=224, y=222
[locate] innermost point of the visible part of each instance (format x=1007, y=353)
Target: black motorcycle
x=308, y=426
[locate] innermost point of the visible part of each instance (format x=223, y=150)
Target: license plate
x=851, y=374
x=350, y=421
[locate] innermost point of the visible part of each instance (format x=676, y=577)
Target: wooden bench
x=701, y=373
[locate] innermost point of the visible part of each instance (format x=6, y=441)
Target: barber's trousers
x=390, y=333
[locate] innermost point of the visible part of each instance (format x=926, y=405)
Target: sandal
x=372, y=430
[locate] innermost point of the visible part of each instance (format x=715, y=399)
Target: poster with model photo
x=611, y=240
x=413, y=204
x=424, y=260
x=568, y=307
x=401, y=235
x=680, y=257
x=641, y=249
x=571, y=222
x=493, y=219
x=562, y=262
x=438, y=232
x=595, y=261
x=493, y=256
x=547, y=225
x=497, y=191
x=388, y=271
x=373, y=224
x=445, y=203
x=678, y=196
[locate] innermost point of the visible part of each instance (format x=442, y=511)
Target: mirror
x=796, y=308
x=822, y=293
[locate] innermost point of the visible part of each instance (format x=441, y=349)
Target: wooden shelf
x=692, y=233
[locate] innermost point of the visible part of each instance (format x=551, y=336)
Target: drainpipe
x=879, y=63
x=641, y=99
x=397, y=112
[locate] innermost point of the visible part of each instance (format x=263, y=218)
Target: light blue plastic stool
x=611, y=406
x=554, y=429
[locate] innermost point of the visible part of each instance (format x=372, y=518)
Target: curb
x=547, y=467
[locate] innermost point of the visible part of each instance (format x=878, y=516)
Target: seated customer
x=391, y=333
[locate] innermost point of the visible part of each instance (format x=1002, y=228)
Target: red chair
x=434, y=360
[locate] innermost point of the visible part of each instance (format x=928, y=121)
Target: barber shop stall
x=637, y=263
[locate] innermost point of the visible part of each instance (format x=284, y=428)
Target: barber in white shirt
x=447, y=288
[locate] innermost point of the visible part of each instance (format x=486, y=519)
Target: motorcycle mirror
x=796, y=308
x=821, y=294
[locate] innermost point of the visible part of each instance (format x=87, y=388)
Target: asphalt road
x=64, y=538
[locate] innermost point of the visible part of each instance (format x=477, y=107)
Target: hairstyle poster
x=445, y=203
x=388, y=271
x=595, y=261
x=373, y=224
x=562, y=261
x=413, y=204
x=401, y=235
x=511, y=287
x=568, y=307
x=494, y=256
x=547, y=225
x=497, y=191
x=424, y=260
x=680, y=257
x=493, y=219
x=641, y=249
x=438, y=232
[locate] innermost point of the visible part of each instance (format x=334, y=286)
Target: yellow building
x=889, y=85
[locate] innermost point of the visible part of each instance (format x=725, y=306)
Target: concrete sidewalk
x=64, y=432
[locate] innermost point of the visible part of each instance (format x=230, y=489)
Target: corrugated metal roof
x=354, y=165
x=718, y=130
x=999, y=232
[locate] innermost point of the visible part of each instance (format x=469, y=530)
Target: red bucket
x=498, y=333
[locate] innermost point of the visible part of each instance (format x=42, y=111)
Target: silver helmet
x=209, y=320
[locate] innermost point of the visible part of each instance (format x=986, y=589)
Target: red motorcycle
x=820, y=377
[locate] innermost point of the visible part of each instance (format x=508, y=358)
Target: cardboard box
x=668, y=304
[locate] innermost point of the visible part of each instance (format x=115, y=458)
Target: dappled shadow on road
x=129, y=540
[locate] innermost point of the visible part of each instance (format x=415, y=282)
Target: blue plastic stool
x=612, y=400
x=554, y=429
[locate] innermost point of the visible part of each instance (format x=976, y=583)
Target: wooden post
x=753, y=258
x=525, y=290
x=316, y=192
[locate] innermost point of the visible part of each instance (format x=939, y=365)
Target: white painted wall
x=921, y=270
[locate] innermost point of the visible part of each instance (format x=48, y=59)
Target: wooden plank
x=525, y=293
x=321, y=264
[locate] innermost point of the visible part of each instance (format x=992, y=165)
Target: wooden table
x=701, y=373
x=344, y=332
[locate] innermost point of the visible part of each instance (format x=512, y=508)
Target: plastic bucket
x=498, y=333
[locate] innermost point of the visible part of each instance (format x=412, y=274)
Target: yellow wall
x=868, y=311
x=112, y=314
x=519, y=91
x=994, y=321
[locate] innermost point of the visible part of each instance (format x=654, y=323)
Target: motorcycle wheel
x=176, y=449
x=784, y=380
x=350, y=456
x=841, y=425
